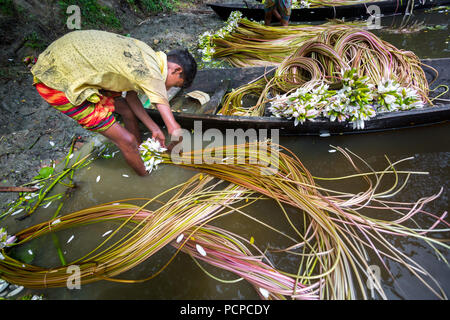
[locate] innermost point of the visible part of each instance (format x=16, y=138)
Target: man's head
x=181, y=68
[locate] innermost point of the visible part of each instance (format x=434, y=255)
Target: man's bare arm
x=172, y=125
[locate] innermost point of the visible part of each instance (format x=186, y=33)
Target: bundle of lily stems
x=332, y=245
x=245, y=43
x=323, y=59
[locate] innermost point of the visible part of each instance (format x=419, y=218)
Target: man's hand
x=173, y=128
x=138, y=109
x=175, y=132
x=175, y=136
x=158, y=135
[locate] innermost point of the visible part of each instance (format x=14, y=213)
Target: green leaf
x=46, y=172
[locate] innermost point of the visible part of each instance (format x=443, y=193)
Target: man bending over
x=84, y=73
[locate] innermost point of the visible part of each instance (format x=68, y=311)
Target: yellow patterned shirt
x=82, y=62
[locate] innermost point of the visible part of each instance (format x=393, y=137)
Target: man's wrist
x=155, y=129
x=173, y=128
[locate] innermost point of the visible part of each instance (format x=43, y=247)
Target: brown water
x=430, y=147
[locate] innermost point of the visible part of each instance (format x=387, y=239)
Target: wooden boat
x=216, y=81
x=354, y=11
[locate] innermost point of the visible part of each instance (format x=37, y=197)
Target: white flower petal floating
x=200, y=250
x=56, y=221
x=180, y=237
x=332, y=150
x=71, y=238
x=150, y=151
x=264, y=292
x=47, y=205
x=30, y=252
x=106, y=233
x=52, y=143
x=98, y=179
x=125, y=175
x=17, y=212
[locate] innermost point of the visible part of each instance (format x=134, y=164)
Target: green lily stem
x=41, y=198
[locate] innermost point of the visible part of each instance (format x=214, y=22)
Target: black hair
x=187, y=62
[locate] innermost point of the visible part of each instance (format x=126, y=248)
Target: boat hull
x=209, y=79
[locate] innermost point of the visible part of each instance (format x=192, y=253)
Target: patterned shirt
x=82, y=62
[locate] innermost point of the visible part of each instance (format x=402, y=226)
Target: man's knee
x=121, y=137
x=129, y=141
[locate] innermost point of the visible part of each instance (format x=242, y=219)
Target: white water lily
x=299, y=4
x=205, y=41
x=357, y=101
x=5, y=239
x=15, y=291
x=3, y=285
x=358, y=124
x=390, y=96
x=389, y=99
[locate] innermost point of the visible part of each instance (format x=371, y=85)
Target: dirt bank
x=32, y=134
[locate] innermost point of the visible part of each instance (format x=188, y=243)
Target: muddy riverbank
x=32, y=134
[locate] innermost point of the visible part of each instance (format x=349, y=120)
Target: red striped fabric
x=91, y=116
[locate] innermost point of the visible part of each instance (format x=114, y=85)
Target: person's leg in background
x=284, y=9
x=269, y=11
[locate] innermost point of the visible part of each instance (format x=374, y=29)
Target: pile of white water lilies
x=357, y=100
